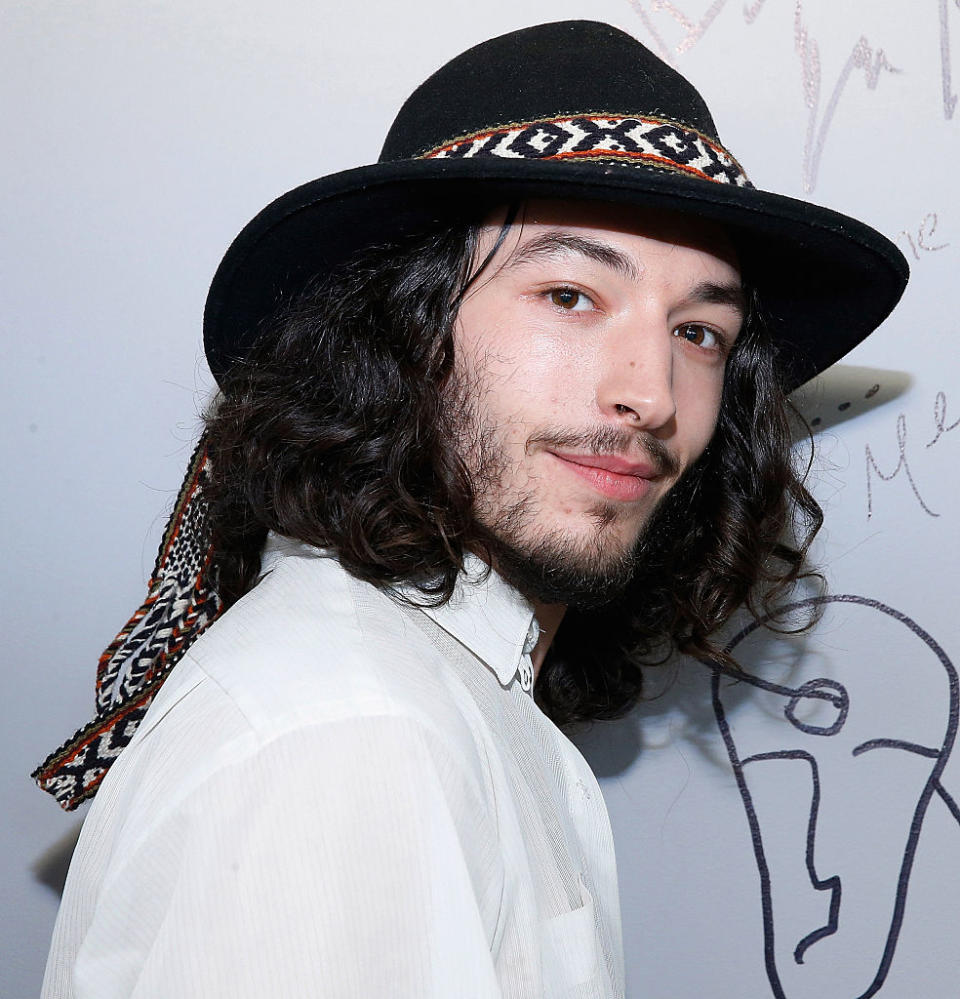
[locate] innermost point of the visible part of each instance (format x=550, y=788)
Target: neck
x=548, y=618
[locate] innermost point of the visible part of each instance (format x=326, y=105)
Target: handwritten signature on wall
x=863, y=57
x=949, y=97
x=872, y=62
x=941, y=426
x=923, y=232
x=919, y=242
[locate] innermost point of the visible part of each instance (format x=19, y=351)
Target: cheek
x=698, y=411
x=557, y=370
x=529, y=371
x=527, y=376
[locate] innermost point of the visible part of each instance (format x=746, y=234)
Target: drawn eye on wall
x=837, y=739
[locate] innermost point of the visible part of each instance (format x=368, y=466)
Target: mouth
x=610, y=475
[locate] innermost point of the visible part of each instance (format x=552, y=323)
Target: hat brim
x=826, y=281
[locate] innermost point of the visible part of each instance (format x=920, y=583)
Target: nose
x=636, y=383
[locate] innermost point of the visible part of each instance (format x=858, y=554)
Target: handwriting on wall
x=949, y=97
x=920, y=238
x=820, y=118
x=942, y=425
x=864, y=58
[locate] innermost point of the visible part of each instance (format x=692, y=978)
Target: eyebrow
x=709, y=293
x=549, y=244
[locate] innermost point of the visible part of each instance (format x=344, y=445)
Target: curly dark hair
x=334, y=431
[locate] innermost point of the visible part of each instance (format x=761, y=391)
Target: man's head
x=589, y=369
x=576, y=387
x=582, y=465
x=573, y=392
x=637, y=451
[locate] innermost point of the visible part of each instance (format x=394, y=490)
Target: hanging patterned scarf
x=180, y=605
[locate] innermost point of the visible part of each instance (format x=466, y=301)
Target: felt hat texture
x=567, y=110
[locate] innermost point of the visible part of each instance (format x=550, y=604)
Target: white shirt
x=335, y=794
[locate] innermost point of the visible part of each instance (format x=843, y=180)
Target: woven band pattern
x=632, y=141
x=180, y=606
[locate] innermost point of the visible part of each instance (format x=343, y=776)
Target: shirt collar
x=485, y=613
x=493, y=620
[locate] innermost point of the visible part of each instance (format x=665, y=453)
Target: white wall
x=139, y=138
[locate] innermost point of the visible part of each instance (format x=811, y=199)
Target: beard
x=552, y=566
x=548, y=568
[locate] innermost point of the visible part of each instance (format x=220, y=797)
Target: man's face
x=590, y=358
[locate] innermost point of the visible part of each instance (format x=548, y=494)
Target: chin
x=555, y=568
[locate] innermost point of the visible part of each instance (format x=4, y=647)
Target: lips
x=614, y=477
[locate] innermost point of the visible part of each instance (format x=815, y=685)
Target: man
x=500, y=419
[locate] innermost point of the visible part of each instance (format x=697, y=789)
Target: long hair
x=334, y=431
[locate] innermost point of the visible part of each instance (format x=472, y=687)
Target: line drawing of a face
x=836, y=773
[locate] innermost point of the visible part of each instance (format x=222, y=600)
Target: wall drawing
x=839, y=741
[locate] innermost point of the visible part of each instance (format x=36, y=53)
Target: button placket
x=525, y=669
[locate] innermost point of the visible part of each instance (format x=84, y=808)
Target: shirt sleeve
x=352, y=858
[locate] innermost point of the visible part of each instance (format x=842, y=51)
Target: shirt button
x=525, y=672
x=533, y=636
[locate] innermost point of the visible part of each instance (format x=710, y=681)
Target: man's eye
x=699, y=335
x=570, y=299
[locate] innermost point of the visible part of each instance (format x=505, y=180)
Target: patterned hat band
x=628, y=140
x=181, y=604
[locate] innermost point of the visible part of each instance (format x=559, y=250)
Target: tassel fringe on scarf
x=180, y=605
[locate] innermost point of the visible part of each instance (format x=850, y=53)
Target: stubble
x=550, y=565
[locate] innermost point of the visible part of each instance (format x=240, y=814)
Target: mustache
x=611, y=441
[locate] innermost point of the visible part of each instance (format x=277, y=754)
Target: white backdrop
x=139, y=138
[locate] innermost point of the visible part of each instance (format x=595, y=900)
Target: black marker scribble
x=831, y=884
x=949, y=802
x=932, y=786
x=813, y=689
x=908, y=747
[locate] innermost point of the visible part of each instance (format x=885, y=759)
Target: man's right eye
x=570, y=299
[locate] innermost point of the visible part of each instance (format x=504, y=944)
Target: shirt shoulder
x=311, y=646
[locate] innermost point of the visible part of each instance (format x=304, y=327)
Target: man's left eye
x=570, y=299
x=699, y=335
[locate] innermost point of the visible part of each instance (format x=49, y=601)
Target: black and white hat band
x=629, y=140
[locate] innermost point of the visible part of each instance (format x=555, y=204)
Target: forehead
x=637, y=230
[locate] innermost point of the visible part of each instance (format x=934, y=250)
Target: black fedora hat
x=570, y=110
